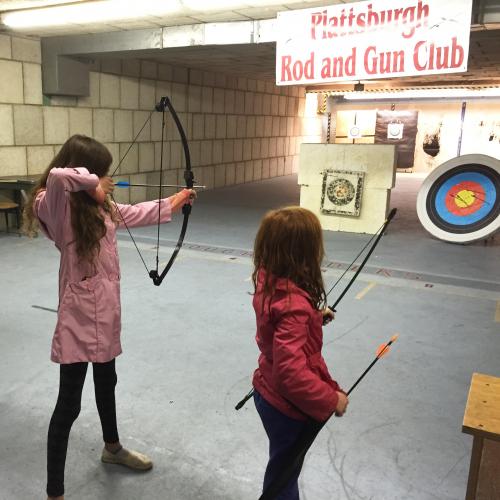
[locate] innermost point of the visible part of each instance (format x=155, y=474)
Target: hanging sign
x=372, y=39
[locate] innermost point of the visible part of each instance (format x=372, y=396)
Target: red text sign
x=372, y=39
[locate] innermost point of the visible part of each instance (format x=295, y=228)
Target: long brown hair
x=87, y=219
x=289, y=244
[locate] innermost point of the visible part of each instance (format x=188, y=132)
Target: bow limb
x=365, y=260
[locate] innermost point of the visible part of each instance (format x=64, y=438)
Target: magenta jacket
x=292, y=375
x=89, y=315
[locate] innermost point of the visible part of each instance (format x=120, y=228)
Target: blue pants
x=282, y=432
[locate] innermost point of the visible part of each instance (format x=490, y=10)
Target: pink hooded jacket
x=89, y=315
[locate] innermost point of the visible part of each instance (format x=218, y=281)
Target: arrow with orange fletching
x=382, y=350
x=298, y=452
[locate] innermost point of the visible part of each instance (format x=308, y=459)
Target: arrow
x=124, y=184
x=474, y=194
x=298, y=451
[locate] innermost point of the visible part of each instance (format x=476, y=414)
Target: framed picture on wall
x=341, y=193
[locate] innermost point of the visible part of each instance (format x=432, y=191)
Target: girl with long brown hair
x=292, y=383
x=71, y=206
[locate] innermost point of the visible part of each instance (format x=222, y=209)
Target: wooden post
x=482, y=420
x=475, y=464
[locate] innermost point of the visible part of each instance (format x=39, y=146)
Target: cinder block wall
x=239, y=130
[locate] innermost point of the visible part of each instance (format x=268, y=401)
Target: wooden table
x=19, y=186
x=482, y=420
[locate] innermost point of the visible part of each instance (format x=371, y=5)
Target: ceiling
x=185, y=12
x=258, y=60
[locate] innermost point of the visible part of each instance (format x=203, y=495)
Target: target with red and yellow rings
x=465, y=198
x=460, y=200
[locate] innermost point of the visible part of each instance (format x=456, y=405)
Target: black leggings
x=72, y=377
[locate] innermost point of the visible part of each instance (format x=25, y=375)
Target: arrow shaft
x=128, y=184
x=369, y=367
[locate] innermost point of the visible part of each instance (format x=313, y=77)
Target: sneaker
x=129, y=458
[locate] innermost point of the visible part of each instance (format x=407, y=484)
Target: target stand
x=459, y=201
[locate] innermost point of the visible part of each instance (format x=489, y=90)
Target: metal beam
x=66, y=72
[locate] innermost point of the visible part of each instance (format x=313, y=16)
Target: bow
x=155, y=274
x=377, y=237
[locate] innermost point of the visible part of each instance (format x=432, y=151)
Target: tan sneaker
x=129, y=458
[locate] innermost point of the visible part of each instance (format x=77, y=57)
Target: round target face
x=354, y=132
x=395, y=131
x=340, y=192
x=460, y=200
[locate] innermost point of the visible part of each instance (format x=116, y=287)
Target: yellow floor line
x=365, y=290
x=497, y=312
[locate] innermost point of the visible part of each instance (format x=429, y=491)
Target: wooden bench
x=482, y=420
x=8, y=207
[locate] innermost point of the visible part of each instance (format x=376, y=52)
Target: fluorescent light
x=451, y=93
x=106, y=11
x=204, y=5
x=92, y=12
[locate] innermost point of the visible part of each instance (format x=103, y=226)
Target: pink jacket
x=89, y=323
x=292, y=374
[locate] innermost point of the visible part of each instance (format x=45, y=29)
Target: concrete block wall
x=239, y=130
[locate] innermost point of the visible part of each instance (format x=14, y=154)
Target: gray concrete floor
x=189, y=352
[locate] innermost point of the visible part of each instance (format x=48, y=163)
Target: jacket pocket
x=79, y=302
x=76, y=326
x=108, y=309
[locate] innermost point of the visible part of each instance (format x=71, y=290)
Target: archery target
x=354, y=132
x=342, y=192
x=459, y=201
x=395, y=130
